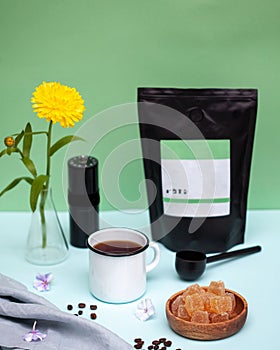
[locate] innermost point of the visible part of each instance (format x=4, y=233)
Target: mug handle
x=156, y=257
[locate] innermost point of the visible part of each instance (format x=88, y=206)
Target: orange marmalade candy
x=205, y=305
x=206, y=299
x=194, y=288
x=200, y=317
x=217, y=287
x=183, y=313
x=214, y=318
x=194, y=302
x=232, y=300
x=176, y=303
x=178, y=308
x=220, y=304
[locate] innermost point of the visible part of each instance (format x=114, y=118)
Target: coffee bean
x=139, y=343
x=168, y=343
x=155, y=344
x=93, y=315
x=83, y=306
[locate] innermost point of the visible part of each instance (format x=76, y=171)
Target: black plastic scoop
x=190, y=264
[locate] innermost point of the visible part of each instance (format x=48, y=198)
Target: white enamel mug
x=119, y=277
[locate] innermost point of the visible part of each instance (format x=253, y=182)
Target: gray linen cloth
x=19, y=308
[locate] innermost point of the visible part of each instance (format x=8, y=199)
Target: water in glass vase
x=46, y=242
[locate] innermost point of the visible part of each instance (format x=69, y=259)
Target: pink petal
x=40, y=277
x=49, y=277
x=145, y=310
x=28, y=337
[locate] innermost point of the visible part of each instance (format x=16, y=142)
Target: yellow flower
x=58, y=103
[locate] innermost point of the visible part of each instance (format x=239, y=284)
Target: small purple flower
x=42, y=282
x=145, y=309
x=34, y=335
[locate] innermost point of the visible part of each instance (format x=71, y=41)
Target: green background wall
x=107, y=48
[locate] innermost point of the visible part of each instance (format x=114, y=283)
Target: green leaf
x=2, y=153
x=64, y=141
x=36, y=188
x=18, y=138
x=30, y=165
x=27, y=140
x=16, y=182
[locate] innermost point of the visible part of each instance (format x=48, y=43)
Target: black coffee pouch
x=197, y=149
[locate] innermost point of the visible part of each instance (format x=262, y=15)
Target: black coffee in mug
x=118, y=264
x=117, y=247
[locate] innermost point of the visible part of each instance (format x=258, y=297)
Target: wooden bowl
x=209, y=331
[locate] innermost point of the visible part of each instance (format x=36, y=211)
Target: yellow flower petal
x=58, y=103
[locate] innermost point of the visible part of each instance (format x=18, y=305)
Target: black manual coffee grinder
x=83, y=199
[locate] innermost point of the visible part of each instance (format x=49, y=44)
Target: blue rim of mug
x=143, y=248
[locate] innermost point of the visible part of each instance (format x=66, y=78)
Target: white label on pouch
x=195, y=177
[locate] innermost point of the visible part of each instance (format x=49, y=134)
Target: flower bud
x=9, y=141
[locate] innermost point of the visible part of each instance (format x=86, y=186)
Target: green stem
x=32, y=133
x=43, y=218
x=49, y=137
x=19, y=151
x=44, y=192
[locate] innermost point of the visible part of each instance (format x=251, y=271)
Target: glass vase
x=46, y=242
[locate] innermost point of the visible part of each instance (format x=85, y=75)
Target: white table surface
x=256, y=277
